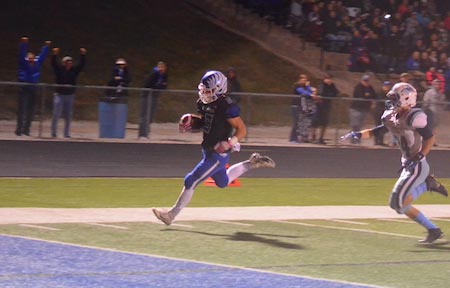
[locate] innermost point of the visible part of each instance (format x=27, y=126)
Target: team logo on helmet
x=212, y=85
x=402, y=95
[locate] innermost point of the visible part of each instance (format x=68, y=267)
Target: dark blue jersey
x=215, y=125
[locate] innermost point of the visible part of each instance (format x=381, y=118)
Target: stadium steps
x=281, y=42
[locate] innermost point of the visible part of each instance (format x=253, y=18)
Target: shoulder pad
x=412, y=114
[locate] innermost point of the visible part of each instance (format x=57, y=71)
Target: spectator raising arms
x=29, y=72
x=63, y=99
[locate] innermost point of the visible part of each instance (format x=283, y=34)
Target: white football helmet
x=402, y=95
x=212, y=85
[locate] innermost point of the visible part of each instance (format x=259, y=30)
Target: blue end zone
x=33, y=263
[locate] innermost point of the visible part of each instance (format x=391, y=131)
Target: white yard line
x=107, y=225
x=348, y=222
x=39, y=227
x=234, y=223
x=265, y=213
x=441, y=219
x=295, y=223
x=350, y=229
x=395, y=220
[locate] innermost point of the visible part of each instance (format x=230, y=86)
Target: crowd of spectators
x=380, y=36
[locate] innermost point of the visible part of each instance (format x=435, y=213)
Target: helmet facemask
x=212, y=85
x=206, y=95
x=402, y=95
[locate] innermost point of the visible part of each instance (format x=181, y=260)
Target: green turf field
x=114, y=192
x=373, y=251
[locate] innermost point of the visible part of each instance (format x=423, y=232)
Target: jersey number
x=208, y=122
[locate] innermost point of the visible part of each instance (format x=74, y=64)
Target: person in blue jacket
x=300, y=110
x=29, y=72
x=149, y=101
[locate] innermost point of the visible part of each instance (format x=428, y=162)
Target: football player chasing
x=218, y=118
x=415, y=139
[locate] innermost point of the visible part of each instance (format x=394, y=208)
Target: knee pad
x=393, y=201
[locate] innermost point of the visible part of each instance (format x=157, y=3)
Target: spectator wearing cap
x=380, y=106
x=404, y=77
x=120, y=78
x=66, y=74
x=29, y=72
x=363, y=97
x=233, y=85
x=157, y=80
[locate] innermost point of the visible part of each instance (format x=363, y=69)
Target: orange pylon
x=210, y=181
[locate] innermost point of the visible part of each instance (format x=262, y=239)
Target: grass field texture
x=375, y=251
x=117, y=192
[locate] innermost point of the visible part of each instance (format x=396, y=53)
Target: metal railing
x=268, y=116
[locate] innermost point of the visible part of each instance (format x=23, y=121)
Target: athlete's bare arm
x=238, y=124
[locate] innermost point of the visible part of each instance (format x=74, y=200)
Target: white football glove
x=228, y=146
x=351, y=135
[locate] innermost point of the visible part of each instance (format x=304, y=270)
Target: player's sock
x=419, y=190
x=237, y=170
x=424, y=221
x=184, y=199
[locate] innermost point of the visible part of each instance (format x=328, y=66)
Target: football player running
x=218, y=118
x=415, y=138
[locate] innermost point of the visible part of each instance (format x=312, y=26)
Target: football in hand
x=190, y=123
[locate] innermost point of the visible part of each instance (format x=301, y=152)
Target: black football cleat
x=434, y=186
x=433, y=235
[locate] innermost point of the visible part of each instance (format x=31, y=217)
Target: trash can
x=112, y=117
